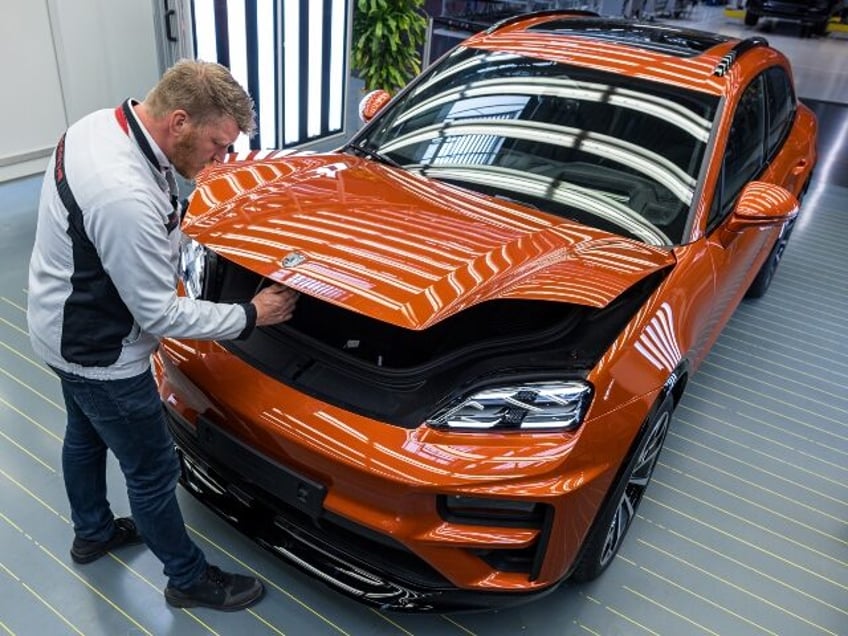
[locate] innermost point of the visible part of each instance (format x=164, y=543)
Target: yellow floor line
x=28, y=387
x=14, y=326
x=270, y=582
x=51, y=608
x=34, y=496
x=43, y=428
x=753, y=484
x=708, y=484
x=32, y=591
x=630, y=620
x=739, y=588
x=652, y=601
x=25, y=451
x=706, y=600
x=105, y=598
x=759, y=469
x=708, y=432
x=777, y=534
x=13, y=304
x=767, y=399
x=722, y=555
x=753, y=546
x=34, y=363
x=453, y=622
x=389, y=620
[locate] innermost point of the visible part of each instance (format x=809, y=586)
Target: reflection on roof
x=655, y=37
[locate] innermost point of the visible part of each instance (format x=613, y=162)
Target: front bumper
x=795, y=11
x=294, y=526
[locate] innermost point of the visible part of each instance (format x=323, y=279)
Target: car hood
x=400, y=247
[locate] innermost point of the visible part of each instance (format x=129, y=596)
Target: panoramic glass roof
x=663, y=39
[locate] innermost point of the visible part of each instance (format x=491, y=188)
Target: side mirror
x=372, y=103
x=762, y=204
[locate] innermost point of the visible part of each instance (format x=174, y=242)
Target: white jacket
x=103, y=272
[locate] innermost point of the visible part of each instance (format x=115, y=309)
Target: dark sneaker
x=126, y=533
x=218, y=590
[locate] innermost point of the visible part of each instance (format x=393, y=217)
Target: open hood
x=400, y=247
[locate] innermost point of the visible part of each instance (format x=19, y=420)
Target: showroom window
x=292, y=55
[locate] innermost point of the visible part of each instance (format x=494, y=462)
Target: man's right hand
x=274, y=304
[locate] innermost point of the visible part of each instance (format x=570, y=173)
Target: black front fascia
x=296, y=490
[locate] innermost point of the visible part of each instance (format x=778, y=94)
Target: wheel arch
x=673, y=387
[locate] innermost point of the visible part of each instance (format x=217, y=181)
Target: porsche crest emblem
x=293, y=259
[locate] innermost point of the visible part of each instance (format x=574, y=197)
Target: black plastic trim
x=543, y=543
x=533, y=521
x=738, y=49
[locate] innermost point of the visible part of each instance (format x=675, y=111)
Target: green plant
x=387, y=38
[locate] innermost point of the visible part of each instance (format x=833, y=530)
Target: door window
x=744, y=156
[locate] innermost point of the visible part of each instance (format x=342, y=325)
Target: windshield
x=613, y=152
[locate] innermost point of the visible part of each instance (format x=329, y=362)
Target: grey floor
x=744, y=530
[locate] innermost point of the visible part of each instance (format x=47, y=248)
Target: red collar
x=122, y=119
x=131, y=127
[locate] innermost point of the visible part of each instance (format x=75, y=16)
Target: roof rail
x=536, y=14
x=738, y=49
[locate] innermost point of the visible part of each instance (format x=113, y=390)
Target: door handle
x=800, y=167
x=169, y=14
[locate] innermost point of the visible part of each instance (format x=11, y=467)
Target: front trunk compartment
x=401, y=376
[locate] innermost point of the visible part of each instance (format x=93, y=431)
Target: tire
x=751, y=18
x=762, y=281
x=608, y=532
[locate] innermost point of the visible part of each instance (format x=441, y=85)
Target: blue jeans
x=126, y=417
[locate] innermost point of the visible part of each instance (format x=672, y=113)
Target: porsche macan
x=507, y=276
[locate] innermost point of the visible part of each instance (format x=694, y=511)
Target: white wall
x=59, y=60
x=32, y=114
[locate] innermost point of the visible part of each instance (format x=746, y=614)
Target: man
x=102, y=286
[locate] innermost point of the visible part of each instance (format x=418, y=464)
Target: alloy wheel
x=637, y=482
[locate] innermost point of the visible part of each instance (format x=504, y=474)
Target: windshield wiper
x=373, y=154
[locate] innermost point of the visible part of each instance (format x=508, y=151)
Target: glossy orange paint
x=386, y=477
x=412, y=251
x=402, y=248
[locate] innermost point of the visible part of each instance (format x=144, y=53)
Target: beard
x=185, y=155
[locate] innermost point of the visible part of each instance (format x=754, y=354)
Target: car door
x=736, y=256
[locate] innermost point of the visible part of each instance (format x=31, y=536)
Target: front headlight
x=546, y=406
x=192, y=267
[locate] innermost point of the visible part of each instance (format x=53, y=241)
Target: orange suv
x=506, y=279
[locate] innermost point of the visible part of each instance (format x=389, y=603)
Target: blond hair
x=206, y=91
